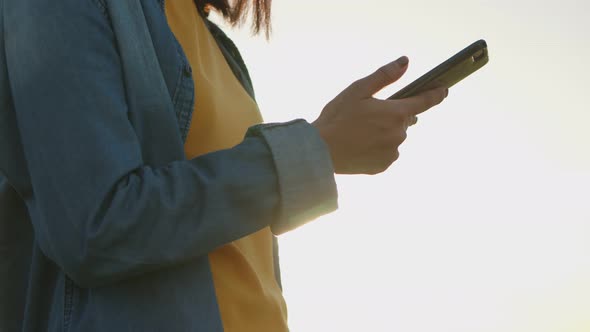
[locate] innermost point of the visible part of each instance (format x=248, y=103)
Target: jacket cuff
x=305, y=172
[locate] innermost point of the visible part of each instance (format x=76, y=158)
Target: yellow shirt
x=248, y=294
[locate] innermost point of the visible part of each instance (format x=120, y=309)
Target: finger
x=424, y=101
x=368, y=86
x=410, y=121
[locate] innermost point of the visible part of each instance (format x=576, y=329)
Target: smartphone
x=450, y=72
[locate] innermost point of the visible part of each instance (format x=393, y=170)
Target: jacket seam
x=68, y=302
x=177, y=88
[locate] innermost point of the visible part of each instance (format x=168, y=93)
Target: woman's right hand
x=363, y=133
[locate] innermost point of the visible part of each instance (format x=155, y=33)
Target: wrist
x=324, y=134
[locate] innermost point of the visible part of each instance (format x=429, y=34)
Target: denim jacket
x=104, y=224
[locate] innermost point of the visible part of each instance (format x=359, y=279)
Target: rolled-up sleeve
x=305, y=172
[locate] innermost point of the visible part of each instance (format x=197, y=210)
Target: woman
x=119, y=214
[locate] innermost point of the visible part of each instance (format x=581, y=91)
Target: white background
x=483, y=224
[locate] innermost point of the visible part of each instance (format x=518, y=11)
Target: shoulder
x=32, y=21
x=47, y=9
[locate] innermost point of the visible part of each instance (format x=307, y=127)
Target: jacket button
x=188, y=71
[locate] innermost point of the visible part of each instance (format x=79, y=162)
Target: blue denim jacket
x=104, y=224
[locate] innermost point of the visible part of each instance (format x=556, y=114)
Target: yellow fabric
x=248, y=294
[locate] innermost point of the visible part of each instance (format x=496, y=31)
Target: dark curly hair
x=236, y=12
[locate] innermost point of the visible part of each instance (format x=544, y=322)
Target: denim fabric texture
x=104, y=224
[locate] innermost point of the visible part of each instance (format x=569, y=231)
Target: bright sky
x=484, y=222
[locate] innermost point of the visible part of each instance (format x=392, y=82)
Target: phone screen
x=450, y=72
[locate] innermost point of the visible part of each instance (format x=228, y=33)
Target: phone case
x=450, y=72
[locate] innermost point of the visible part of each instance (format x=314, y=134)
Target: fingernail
x=402, y=61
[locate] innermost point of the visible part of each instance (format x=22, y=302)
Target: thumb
x=382, y=77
